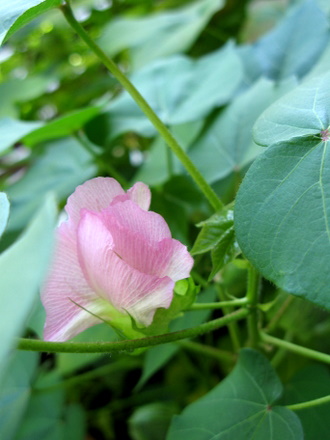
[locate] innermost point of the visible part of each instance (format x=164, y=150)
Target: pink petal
x=95, y=195
x=112, y=278
x=149, y=225
x=66, y=281
x=140, y=194
x=180, y=263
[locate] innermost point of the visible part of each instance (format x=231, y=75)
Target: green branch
x=145, y=107
x=129, y=345
x=252, y=298
x=294, y=348
x=218, y=305
x=309, y=403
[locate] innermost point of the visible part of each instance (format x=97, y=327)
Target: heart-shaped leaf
x=282, y=210
x=242, y=407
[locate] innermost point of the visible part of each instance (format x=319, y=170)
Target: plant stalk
x=145, y=107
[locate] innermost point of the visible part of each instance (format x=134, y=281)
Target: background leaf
x=158, y=35
x=28, y=257
x=18, y=13
x=4, y=212
x=240, y=407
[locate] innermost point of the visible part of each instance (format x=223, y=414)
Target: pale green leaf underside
x=15, y=14
x=302, y=112
x=240, y=407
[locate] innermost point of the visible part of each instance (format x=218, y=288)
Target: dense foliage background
x=209, y=69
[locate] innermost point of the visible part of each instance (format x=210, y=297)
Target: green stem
x=145, y=107
x=218, y=305
x=278, y=315
x=252, y=299
x=129, y=345
x=221, y=355
x=290, y=346
x=309, y=404
x=232, y=326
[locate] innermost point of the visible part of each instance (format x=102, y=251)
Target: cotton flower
x=113, y=259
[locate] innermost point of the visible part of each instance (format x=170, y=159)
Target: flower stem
x=218, y=305
x=290, y=346
x=309, y=403
x=145, y=107
x=132, y=344
x=252, y=299
x=232, y=326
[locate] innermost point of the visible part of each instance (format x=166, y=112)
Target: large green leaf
x=294, y=46
x=310, y=383
x=158, y=35
x=179, y=89
x=15, y=391
x=17, y=13
x=242, y=407
x=227, y=145
x=22, y=269
x=282, y=208
x=4, y=212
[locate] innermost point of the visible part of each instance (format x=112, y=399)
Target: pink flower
x=113, y=258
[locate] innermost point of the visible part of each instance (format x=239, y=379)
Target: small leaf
x=213, y=229
x=225, y=251
x=17, y=13
x=11, y=131
x=242, y=407
x=4, y=212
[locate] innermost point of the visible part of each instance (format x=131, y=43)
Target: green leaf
x=310, y=383
x=4, y=212
x=179, y=89
x=294, y=46
x=300, y=113
x=150, y=422
x=157, y=357
x=282, y=210
x=17, y=13
x=227, y=145
x=63, y=165
x=213, y=229
x=11, y=131
x=158, y=35
x=242, y=407
x=225, y=251
x=63, y=126
x=15, y=391
x=22, y=269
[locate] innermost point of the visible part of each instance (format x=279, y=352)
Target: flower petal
x=66, y=282
x=140, y=194
x=180, y=263
x=149, y=225
x=115, y=280
x=95, y=195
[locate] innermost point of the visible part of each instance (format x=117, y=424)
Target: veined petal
x=180, y=263
x=140, y=194
x=95, y=195
x=112, y=278
x=66, y=282
x=149, y=225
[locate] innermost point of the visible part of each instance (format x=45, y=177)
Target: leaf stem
x=233, y=329
x=145, y=107
x=309, y=403
x=218, y=305
x=290, y=346
x=132, y=344
x=207, y=350
x=252, y=299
